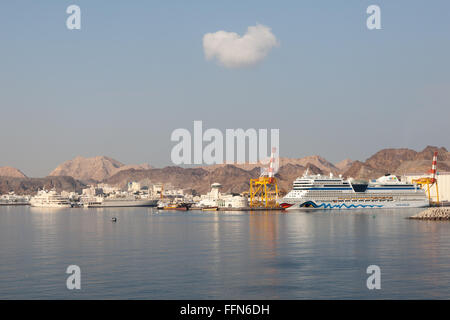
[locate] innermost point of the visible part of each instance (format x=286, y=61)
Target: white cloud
x=235, y=51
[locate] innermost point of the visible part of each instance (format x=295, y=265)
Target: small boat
x=174, y=206
x=210, y=208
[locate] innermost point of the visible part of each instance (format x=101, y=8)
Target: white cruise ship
x=49, y=199
x=323, y=192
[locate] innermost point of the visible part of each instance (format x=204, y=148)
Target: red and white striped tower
x=272, y=160
x=434, y=167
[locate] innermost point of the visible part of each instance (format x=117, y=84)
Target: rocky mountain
x=232, y=178
x=11, y=172
x=93, y=169
x=344, y=165
x=74, y=174
x=389, y=159
x=361, y=170
x=32, y=185
x=101, y=168
x=235, y=178
x=317, y=161
x=428, y=152
x=399, y=161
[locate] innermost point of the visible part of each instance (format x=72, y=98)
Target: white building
x=134, y=186
x=107, y=189
x=167, y=190
x=215, y=198
x=211, y=198
x=443, y=182
x=230, y=201
x=92, y=191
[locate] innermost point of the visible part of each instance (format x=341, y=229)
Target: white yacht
x=11, y=199
x=49, y=199
x=323, y=192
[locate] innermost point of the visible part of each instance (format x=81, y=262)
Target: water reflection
x=149, y=254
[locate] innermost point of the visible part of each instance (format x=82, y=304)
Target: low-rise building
x=134, y=186
x=215, y=198
x=92, y=191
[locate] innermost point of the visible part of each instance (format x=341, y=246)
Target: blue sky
x=136, y=71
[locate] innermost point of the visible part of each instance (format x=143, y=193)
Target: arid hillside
x=11, y=172
x=93, y=169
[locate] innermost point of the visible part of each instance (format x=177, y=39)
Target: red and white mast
x=271, y=163
x=434, y=167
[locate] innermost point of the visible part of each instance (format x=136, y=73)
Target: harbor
x=307, y=192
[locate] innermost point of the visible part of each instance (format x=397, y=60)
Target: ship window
x=360, y=187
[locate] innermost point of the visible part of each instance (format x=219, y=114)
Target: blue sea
x=151, y=254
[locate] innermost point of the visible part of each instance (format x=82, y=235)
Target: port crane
x=430, y=181
x=264, y=190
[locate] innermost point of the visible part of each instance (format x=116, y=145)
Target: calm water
x=205, y=255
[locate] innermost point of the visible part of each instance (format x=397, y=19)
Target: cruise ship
x=110, y=202
x=323, y=192
x=49, y=199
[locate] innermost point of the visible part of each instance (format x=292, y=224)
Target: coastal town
x=137, y=195
x=263, y=192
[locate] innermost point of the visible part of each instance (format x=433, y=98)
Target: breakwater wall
x=436, y=213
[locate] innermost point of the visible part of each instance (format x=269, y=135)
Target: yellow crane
x=264, y=190
x=430, y=181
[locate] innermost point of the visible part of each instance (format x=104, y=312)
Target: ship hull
x=316, y=205
x=49, y=205
x=122, y=204
x=14, y=203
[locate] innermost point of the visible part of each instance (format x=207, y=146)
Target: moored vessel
x=11, y=199
x=173, y=206
x=49, y=199
x=323, y=192
x=111, y=202
x=214, y=208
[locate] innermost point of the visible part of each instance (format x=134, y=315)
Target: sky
x=138, y=70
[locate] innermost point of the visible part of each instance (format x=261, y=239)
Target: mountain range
x=75, y=174
x=93, y=169
x=11, y=172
